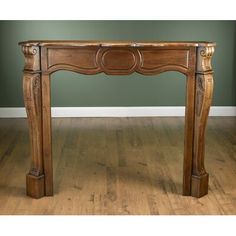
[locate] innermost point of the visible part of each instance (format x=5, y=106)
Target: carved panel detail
x=204, y=90
x=82, y=60
x=153, y=59
x=110, y=57
x=117, y=60
x=32, y=99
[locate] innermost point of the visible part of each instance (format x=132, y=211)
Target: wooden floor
x=118, y=166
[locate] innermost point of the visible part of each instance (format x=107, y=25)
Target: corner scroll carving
x=203, y=97
x=207, y=51
x=204, y=56
x=29, y=50
x=32, y=58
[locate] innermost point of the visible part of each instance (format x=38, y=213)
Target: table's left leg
x=188, y=137
x=32, y=99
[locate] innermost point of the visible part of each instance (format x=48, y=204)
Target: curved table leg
x=32, y=99
x=203, y=97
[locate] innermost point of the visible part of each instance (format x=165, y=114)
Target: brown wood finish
x=42, y=58
x=203, y=97
x=47, y=136
x=32, y=98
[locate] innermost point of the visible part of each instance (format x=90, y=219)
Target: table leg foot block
x=35, y=186
x=199, y=185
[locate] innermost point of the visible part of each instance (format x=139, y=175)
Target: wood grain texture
x=193, y=59
x=203, y=98
x=47, y=136
x=122, y=166
x=32, y=99
x=117, y=60
x=189, y=124
x=114, y=43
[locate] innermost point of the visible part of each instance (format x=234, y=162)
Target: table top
x=112, y=43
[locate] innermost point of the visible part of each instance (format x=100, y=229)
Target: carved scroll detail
x=204, y=89
x=29, y=50
x=207, y=51
x=203, y=97
x=32, y=58
x=204, y=58
x=32, y=99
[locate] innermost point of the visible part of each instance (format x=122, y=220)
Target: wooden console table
x=42, y=58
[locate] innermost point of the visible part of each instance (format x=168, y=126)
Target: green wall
x=71, y=89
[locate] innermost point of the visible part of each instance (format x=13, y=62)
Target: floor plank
x=119, y=166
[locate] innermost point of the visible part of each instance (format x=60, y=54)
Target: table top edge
x=115, y=43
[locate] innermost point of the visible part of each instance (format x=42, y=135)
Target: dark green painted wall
x=70, y=89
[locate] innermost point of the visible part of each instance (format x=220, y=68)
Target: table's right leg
x=47, y=134
x=203, y=97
